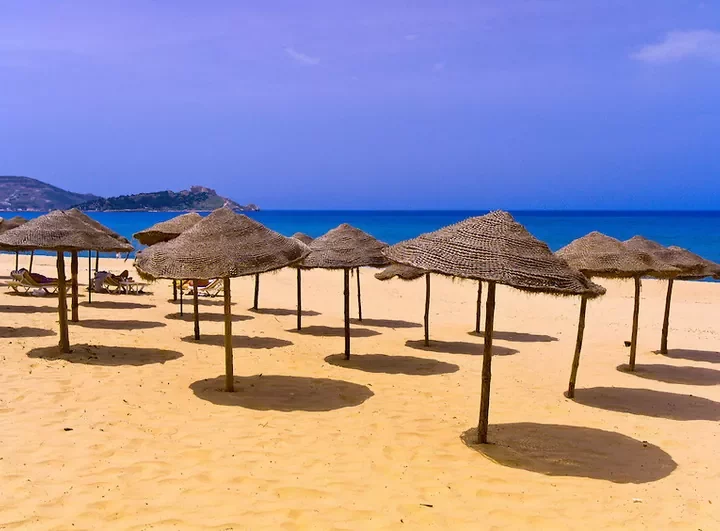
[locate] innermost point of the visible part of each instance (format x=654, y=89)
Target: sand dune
x=131, y=430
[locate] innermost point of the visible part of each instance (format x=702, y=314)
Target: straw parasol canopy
x=167, y=230
x=303, y=237
x=60, y=232
x=496, y=249
x=598, y=255
x=403, y=272
x=222, y=245
x=7, y=224
x=691, y=266
x=344, y=247
x=82, y=216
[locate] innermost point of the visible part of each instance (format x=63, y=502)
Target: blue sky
x=375, y=104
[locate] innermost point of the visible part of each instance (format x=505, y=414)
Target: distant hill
x=24, y=193
x=197, y=198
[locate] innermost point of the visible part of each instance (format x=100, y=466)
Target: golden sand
x=130, y=430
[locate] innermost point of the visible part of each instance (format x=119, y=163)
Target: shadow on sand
x=386, y=323
x=114, y=324
x=382, y=363
x=116, y=305
x=188, y=317
x=673, y=374
x=238, y=341
x=518, y=337
x=707, y=356
x=188, y=302
x=283, y=393
x=24, y=331
x=281, y=312
x=458, y=347
x=649, y=403
x=334, y=331
x=27, y=309
x=110, y=356
x=557, y=450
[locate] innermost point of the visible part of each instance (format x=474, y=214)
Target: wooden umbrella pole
x=195, y=309
x=32, y=255
x=478, y=310
x=299, y=298
x=346, y=294
x=666, y=319
x=487, y=363
x=175, y=290
x=359, y=299
x=229, y=379
x=181, y=297
x=17, y=260
x=97, y=261
x=257, y=291
x=427, y=309
x=578, y=348
x=74, y=286
x=90, y=282
x=64, y=343
x=636, y=320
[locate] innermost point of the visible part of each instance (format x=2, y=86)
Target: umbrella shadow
x=649, y=403
x=239, y=341
x=24, y=331
x=386, y=323
x=117, y=324
x=382, y=363
x=11, y=308
x=109, y=356
x=674, y=374
x=458, y=347
x=518, y=337
x=117, y=305
x=334, y=331
x=281, y=312
x=189, y=317
x=708, y=356
x=188, y=301
x=557, y=450
x=283, y=393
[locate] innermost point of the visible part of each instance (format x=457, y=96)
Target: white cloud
x=679, y=45
x=438, y=67
x=301, y=57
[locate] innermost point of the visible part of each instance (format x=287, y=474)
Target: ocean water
x=697, y=231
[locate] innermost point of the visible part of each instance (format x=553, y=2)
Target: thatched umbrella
x=74, y=263
x=60, y=232
x=408, y=274
x=166, y=231
x=6, y=225
x=496, y=249
x=347, y=248
x=303, y=237
x=598, y=255
x=691, y=266
x=222, y=245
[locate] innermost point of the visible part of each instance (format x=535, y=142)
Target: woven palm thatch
x=7, y=224
x=222, y=245
x=303, y=237
x=403, y=272
x=167, y=230
x=60, y=231
x=345, y=247
x=494, y=248
x=691, y=265
x=97, y=225
x=598, y=255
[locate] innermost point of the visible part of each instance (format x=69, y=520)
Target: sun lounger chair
x=116, y=284
x=212, y=289
x=23, y=282
x=130, y=286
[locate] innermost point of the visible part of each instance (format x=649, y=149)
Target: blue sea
x=697, y=231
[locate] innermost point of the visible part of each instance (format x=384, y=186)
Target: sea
x=698, y=231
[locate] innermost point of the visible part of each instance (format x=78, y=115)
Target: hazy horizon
x=535, y=105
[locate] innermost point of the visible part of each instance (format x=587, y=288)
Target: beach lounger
x=115, y=284
x=23, y=282
x=212, y=289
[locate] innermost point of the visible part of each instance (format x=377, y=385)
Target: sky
x=335, y=104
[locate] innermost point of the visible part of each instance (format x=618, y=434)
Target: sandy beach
x=131, y=431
